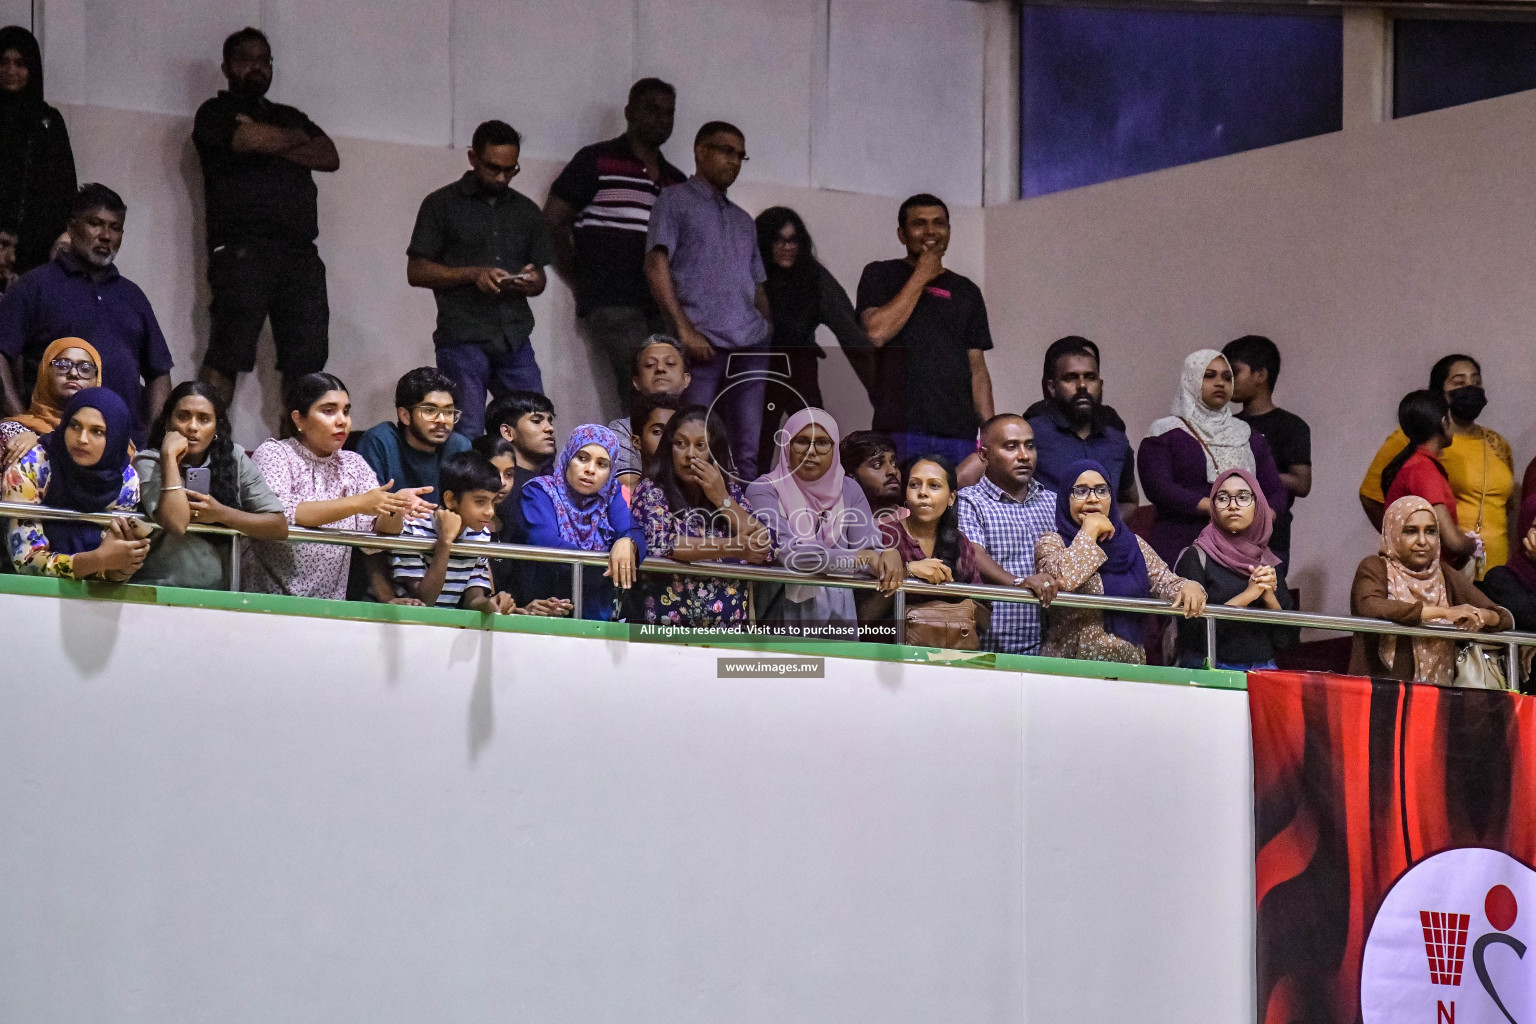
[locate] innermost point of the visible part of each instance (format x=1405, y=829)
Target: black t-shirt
x=923, y=374
x=252, y=195
x=1504, y=588
x=1237, y=643
x=1290, y=441
x=612, y=193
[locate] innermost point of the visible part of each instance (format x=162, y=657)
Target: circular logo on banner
x=1449, y=944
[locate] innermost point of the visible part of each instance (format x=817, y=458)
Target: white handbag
x=1478, y=668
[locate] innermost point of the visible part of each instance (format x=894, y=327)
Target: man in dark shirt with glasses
x=482, y=247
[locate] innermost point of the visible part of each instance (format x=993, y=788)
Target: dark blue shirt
x=391, y=457
x=61, y=300
x=1058, y=446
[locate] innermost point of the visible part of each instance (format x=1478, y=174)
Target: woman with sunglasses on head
x=1094, y=552
x=193, y=432
x=1232, y=560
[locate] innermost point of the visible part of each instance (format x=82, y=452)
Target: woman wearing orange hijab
x=68, y=365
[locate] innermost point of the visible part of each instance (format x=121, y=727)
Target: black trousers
x=785, y=397
x=260, y=279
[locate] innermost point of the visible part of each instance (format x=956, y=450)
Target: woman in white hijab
x=1182, y=453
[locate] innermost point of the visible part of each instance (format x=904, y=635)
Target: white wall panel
x=323, y=820
x=748, y=63
x=140, y=54
x=368, y=71
x=904, y=108
x=16, y=12
x=558, y=72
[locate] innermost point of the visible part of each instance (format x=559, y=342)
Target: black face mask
x=1467, y=403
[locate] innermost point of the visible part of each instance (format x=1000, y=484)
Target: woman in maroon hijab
x=1232, y=560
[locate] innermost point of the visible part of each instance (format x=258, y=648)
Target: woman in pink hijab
x=821, y=523
x=1231, y=559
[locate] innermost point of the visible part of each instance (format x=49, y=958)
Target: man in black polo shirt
x=598, y=211
x=257, y=159
x=482, y=247
x=932, y=387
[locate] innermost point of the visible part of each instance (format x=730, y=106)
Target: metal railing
x=1511, y=641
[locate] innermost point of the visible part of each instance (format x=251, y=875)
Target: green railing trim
x=367, y=611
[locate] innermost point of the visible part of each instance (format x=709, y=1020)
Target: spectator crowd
x=708, y=318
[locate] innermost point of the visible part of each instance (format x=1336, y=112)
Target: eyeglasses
x=821, y=444
x=437, y=412
x=1083, y=492
x=1226, y=499
x=84, y=369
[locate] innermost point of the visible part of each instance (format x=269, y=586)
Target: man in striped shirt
x=598, y=211
x=469, y=485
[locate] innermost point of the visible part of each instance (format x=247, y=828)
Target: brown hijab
x=43, y=415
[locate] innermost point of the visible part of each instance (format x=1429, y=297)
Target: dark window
x=1437, y=64
x=1111, y=92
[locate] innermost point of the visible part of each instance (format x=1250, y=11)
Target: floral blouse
x=1079, y=632
x=27, y=481
x=704, y=601
x=297, y=475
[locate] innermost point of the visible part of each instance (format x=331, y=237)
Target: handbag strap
x=1208, y=453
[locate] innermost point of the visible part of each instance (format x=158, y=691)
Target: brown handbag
x=955, y=625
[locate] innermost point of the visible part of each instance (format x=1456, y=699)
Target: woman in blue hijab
x=82, y=465
x=1094, y=552
x=579, y=506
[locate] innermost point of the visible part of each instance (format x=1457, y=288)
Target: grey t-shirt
x=195, y=560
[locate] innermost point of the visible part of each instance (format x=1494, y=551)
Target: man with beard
x=482, y=247
x=1074, y=423
x=409, y=451
x=80, y=294
x=258, y=158
x=598, y=211
x=1005, y=515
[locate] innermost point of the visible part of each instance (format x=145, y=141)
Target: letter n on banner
x=1395, y=830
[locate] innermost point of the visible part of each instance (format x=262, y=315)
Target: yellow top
x=1482, y=473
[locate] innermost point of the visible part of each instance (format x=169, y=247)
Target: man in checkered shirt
x=1004, y=515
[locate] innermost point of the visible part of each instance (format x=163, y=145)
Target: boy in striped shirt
x=468, y=484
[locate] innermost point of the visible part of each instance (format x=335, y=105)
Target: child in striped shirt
x=468, y=484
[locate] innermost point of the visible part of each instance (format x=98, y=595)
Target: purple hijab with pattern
x=582, y=520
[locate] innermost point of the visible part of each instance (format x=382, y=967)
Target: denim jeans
x=477, y=370
x=733, y=385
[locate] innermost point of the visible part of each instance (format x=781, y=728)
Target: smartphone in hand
x=197, y=478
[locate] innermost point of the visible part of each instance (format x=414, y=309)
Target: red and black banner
x=1395, y=828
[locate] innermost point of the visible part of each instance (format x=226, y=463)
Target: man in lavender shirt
x=704, y=268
